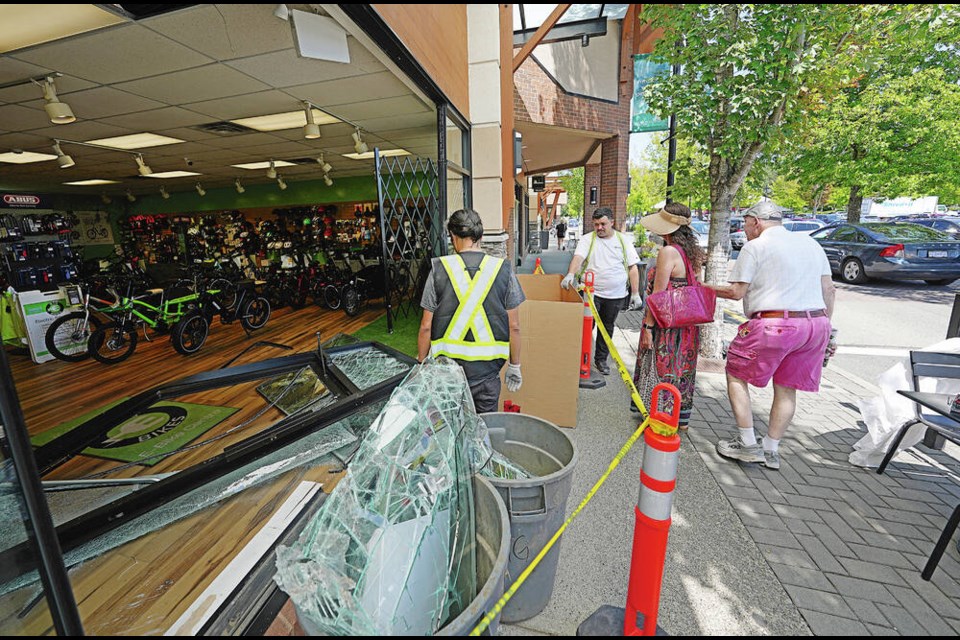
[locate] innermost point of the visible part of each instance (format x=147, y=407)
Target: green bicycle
x=162, y=311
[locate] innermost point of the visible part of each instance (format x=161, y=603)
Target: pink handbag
x=683, y=306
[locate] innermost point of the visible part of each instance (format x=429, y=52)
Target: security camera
x=188, y=161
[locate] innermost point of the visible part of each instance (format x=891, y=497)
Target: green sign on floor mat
x=162, y=428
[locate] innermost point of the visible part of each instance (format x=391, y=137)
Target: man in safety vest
x=613, y=260
x=470, y=313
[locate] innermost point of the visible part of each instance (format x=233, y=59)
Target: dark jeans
x=486, y=395
x=608, y=309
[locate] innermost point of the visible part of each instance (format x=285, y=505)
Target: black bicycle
x=190, y=333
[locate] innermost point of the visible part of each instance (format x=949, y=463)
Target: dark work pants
x=486, y=395
x=608, y=309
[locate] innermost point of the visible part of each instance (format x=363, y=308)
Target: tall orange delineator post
x=587, y=342
x=658, y=479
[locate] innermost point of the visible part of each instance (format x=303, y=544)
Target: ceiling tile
x=287, y=69
x=194, y=85
x=106, y=102
x=245, y=106
x=115, y=54
x=158, y=120
x=226, y=31
x=345, y=91
x=17, y=118
x=82, y=130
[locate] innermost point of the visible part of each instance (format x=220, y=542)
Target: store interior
x=232, y=142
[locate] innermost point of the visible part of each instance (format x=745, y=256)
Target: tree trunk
x=853, y=204
x=717, y=259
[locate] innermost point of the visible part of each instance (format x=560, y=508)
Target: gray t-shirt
x=514, y=293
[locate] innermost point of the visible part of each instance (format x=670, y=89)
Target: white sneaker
x=737, y=450
x=771, y=460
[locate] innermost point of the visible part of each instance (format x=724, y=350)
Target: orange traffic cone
x=538, y=270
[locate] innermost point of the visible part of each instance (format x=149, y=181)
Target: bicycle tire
x=111, y=344
x=332, y=297
x=256, y=313
x=67, y=338
x=190, y=334
x=227, y=296
x=351, y=300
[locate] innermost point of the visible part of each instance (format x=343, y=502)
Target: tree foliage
x=572, y=182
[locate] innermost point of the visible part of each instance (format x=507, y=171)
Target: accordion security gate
x=411, y=228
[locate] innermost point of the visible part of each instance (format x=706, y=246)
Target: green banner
x=644, y=70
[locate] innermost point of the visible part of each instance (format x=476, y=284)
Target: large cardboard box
x=551, y=329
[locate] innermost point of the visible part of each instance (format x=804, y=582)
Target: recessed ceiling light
x=88, y=183
x=173, y=174
x=28, y=25
x=288, y=120
x=383, y=154
x=25, y=157
x=136, y=141
x=257, y=165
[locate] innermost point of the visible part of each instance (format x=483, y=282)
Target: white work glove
x=636, y=302
x=513, y=378
x=567, y=282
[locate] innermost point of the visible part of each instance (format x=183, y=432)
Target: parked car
x=949, y=226
x=892, y=250
x=738, y=239
x=803, y=225
x=831, y=218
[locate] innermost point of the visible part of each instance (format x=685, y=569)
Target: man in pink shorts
x=787, y=290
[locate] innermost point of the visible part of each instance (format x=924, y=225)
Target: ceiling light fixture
x=240, y=188
x=142, y=167
x=63, y=159
x=324, y=166
x=130, y=196
x=201, y=190
x=164, y=194
x=282, y=12
x=311, y=130
x=281, y=183
x=358, y=144
x=272, y=170
x=58, y=112
x=327, y=181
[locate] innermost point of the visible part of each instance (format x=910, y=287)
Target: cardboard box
x=551, y=329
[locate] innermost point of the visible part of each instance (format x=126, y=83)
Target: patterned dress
x=672, y=359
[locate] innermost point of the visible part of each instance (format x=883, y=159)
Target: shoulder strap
x=623, y=247
x=583, y=265
x=691, y=278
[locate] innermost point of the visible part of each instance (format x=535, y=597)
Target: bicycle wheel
x=113, y=343
x=331, y=296
x=226, y=292
x=351, y=300
x=190, y=333
x=255, y=314
x=67, y=336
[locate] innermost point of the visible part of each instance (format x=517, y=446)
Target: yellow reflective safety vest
x=470, y=323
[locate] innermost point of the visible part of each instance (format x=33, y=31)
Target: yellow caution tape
x=501, y=603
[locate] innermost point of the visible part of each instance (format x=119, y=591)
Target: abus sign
x=20, y=201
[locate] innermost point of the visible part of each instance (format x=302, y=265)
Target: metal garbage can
x=536, y=506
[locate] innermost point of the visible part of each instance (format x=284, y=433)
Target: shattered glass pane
x=387, y=552
x=293, y=391
x=339, y=340
x=503, y=468
x=368, y=367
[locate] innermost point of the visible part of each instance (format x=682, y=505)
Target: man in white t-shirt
x=787, y=290
x=613, y=260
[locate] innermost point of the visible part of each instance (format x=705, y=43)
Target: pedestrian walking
x=787, y=290
x=561, y=232
x=669, y=355
x=470, y=313
x=616, y=278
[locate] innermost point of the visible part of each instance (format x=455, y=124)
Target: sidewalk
x=821, y=547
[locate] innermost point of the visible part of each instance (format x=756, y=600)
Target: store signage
x=645, y=72
x=21, y=201
x=539, y=182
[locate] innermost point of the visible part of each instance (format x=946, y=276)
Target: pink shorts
x=789, y=350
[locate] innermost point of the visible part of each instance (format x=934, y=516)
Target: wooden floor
x=143, y=586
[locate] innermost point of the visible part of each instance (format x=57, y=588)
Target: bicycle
x=190, y=333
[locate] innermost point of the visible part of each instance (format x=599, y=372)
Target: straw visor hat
x=663, y=222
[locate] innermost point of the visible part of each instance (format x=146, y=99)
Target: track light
x=63, y=159
x=272, y=171
x=130, y=196
x=358, y=144
x=58, y=112
x=324, y=166
x=142, y=166
x=311, y=130
x=327, y=181
x=201, y=190
x=105, y=198
x=281, y=183
x=164, y=194
x=240, y=188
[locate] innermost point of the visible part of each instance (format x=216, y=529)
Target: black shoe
x=633, y=408
x=602, y=368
